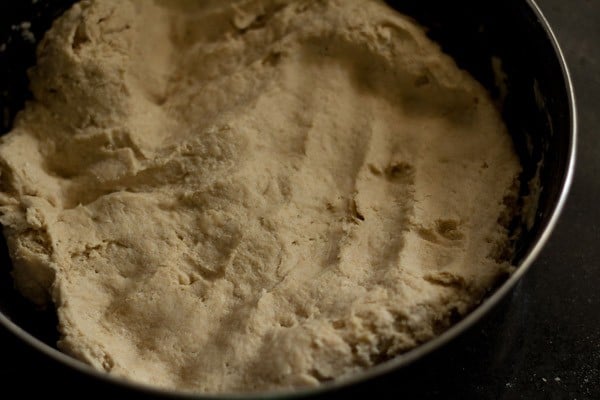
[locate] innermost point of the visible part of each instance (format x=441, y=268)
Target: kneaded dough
x=248, y=195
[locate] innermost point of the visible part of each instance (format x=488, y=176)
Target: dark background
x=542, y=342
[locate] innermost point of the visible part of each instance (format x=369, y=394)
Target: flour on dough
x=227, y=196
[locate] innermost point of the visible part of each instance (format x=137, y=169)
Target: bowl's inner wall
x=536, y=109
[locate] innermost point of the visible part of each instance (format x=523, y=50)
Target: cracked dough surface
x=239, y=196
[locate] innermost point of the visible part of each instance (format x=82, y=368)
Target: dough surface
x=252, y=195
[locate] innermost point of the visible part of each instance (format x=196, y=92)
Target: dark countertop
x=542, y=342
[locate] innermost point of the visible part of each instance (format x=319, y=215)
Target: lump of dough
x=248, y=195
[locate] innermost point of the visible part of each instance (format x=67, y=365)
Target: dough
x=241, y=196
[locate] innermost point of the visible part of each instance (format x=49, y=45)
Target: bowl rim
x=399, y=361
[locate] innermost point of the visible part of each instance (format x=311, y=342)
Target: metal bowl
x=506, y=44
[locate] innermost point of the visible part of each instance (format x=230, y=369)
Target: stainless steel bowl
x=506, y=44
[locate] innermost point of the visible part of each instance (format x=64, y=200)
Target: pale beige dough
x=240, y=196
